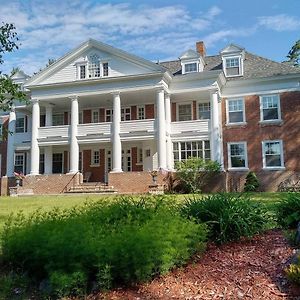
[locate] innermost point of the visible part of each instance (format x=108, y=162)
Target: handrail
x=65, y=187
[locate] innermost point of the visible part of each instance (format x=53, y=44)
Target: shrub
x=293, y=271
x=194, y=173
x=228, y=216
x=288, y=211
x=106, y=243
x=252, y=183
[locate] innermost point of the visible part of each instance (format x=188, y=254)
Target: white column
x=215, y=128
x=161, y=129
x=35, y=151
x=170, y=160
x=10, y=143
x=49, y=109
x=116, y=140
x=48, y=160
x=74, y=148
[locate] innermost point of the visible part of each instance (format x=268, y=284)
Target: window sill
x=271, y=122
x=238, y=169
x=236, y=124
x=274, y=168
x=95, y=165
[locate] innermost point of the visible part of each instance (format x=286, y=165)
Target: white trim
x=92, y=115
x=24, y=162
x=92, y=163
x=177, y=110
x=197, y=108
x=240, y=59
x=282, y=167
x=278, y=108
x=227, y=112
x=229, y=156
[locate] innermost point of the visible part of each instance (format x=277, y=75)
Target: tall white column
x=35, y=151
x=48, y=159
x=48, y=120
x=215, y=128
x=170, y=160
x=10, y=143
x=116, y=140
x=74, y=147
x=161, y=129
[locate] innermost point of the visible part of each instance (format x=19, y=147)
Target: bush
x=228, y=217
x=194, y=173
x=105, y=243
x=252, y=183
x=293, y=271
x=288, y=211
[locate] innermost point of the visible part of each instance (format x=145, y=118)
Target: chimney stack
x=200, y=47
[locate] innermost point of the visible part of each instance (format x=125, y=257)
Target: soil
x=248, y=269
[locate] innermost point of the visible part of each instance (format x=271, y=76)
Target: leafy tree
x=9, y=91
x=194, y=173
x=294, y=54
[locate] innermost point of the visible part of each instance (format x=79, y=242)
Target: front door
x=57, y=163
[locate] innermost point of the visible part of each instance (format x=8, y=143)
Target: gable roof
x=232, y=48
x=254, y=66
x=189, y=54
x=71, y=55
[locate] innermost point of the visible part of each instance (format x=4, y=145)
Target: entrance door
x=57, y=163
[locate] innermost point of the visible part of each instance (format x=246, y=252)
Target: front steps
x=92, y=187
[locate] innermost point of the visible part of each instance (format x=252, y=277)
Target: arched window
x=94, y=66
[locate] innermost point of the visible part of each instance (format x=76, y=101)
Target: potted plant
x=19, y=177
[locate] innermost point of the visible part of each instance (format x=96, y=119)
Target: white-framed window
x=204, y=111
x=270, y=108
x=185, y=150
x=80, y=117
x=190, y=67
x=233, y=66
x=235, y=111
x=139, y=155
x=82, y=71
x=184, y=112
x=95, y=116
x=109, y=115
x=94, y=66
x=105, y=69
x=20, y=125
x=126, y=114
x=141, y=112
x=147, y=153
x=95, y=159
x=57, y=119
x=237, y=155
x=126, y=160
x=272, y=154
x=20, y=163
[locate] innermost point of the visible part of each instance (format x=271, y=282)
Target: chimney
x=200, y=47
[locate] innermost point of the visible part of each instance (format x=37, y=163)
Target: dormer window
x=233, y=66
x=191, y=62
x=190, y=67
x=82, y=70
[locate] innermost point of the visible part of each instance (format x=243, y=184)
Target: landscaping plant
x=252, y=183
x=228, y=216
x=100, y=245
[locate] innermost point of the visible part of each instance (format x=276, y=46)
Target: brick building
x=113, y=117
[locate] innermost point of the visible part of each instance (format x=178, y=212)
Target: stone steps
x=92, y=187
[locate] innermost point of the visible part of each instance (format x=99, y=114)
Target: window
x=42, y=163
x=82, y=71
x=95, y=157
x=237, y=155
x=272, y=154
x=58, y=119
x=204, y=111
x=95, y=116
x=94, y=66
x=147, y=153
x=125, y=114
x=270, y=108
x=141, y=112
x=184, y=112
x=20, y=125
x=57, y=163
x=109, y=115
x=105, y=69
x=20, y=162
x=232, y=66
x=126, y=160
x=139, y=155
x=184, y=150
x=191, y=67
x=236, y=113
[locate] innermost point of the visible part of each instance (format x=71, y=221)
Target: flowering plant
x=19, y=175
x=154, y=173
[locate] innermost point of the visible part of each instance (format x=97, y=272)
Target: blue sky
x=157, y=29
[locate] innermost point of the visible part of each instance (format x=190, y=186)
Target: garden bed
x=248, y=269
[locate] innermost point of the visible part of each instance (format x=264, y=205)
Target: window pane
x=204, y=111
x=273, y=161
x=20, y=125
x=185, y=112
x=190, y=67
x=270, y=114
x=236, y=117
x=237, y=162
x=237, y=155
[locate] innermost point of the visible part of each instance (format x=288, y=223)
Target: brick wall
x=134, y=158
x=173, y=112
x=254, y=133
x=133, y=112
x=149, y=111
x=5, y=184
x=102, y=115
x=97, y=172
x=87, y=116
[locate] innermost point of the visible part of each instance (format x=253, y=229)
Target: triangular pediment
x=120, y=63
x=189, y=54
x=232, y=48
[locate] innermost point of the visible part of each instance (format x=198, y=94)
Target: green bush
x=192, y=174
x=228, y=216
x=293, y=271
x=105, y=243
x=252, y=183
x=288, y=211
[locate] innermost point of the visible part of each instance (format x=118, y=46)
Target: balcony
x=190, y=128
x=54, y=134
x=137, y=129
x=94, y=132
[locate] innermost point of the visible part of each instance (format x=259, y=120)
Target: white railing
x=190, y=126
x=136, y=126
x=54, y=132
x=94, y=128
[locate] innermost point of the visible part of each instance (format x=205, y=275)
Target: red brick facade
x=149, y=111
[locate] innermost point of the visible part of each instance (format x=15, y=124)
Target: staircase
x=92, y=187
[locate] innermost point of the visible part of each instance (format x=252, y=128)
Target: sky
x=155, y=30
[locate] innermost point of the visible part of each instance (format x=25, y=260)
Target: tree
x=9, y=91
x=294, y=54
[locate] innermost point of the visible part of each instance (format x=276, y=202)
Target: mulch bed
x=248, y=269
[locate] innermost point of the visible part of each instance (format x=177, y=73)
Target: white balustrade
x=53, y=132
x=190, y=126
x=137, y=126
x=94, y=129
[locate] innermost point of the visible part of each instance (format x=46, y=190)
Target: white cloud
x=280, y=22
